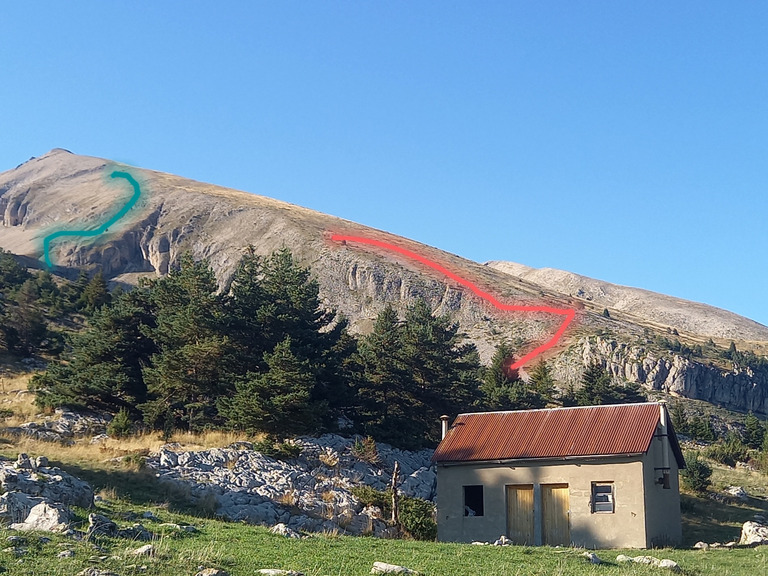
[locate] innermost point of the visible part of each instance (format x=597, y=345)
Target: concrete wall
x=624, y=528
x=662, y=506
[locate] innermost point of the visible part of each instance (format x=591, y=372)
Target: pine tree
x=12, y=274
x=105, y=368
x=189, y=370
x=754, y=431
x=279, y=401
x=597, y=389
x=274, y=298
x=444, y=369
x=386, y=393
x=25, y=326
x=95, y=294
x=679, y=419
x=542, y=382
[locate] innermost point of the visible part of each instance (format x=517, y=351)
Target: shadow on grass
x=708, y=520
x=141, y=487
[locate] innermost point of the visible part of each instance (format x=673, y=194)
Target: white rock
x=384, y=568
x=670, y=565
x=212, y=572
x=701, y=546
x=65, y=554
x=276, y=572
x=737, y=492
x=623, y=559
x=592, y=557
x=646, y=560
x=146, y=550
x=45, y=516
x=753, y=534
x=502, y=541
x=283, y=530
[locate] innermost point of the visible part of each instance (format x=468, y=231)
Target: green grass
x=242, y=550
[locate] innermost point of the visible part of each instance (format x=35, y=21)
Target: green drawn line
x=101, y=229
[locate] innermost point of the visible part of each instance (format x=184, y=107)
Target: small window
x=473, y=500
x=602, y=497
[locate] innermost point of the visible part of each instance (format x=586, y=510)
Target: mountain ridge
x=61, y=190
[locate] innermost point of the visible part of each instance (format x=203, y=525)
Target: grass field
x=241, y=550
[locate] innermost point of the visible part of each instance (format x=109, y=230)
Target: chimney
x=444, y=421
x=663, y=415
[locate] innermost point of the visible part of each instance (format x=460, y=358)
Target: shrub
x=696, y=473
x=120, y=425
x=728, y=452
x=365, y=449
x=368, y=496
x=278, y=450
x=417, y=517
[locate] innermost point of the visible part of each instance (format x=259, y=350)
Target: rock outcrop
x=37, y=496
x=311, y=493
x=736, y=389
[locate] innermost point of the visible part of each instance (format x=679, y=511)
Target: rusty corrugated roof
x=552, y=433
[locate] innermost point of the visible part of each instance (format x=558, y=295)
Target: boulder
x=98, y=524
x=212, y=572
x=670, y=565
x=737, y=492
x=502, y=541
x=15, y=506
x=592, y=557
x=276, y=572
x=50, y=483
x=753, y=534
x=283, y=530
x=46, y=517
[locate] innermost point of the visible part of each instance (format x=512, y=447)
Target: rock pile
x=64, y=425
x=649, y=560
x=36, y=495
x=311, y=492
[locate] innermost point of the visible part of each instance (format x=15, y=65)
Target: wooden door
x=555, y=512
x=520, y=513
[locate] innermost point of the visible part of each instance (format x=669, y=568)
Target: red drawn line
x=568, y=313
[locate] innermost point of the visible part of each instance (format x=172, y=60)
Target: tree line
x=262, y=355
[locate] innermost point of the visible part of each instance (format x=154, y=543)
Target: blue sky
x=623, y=141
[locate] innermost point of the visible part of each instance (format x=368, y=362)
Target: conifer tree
x=94, y=294
x=386, y=392
x=444, y=369
x=754, y=431
x=188, y=371
x=542, y=382
x=502, y=387
x=597, y=389
x=104, y=370
x=278, y=401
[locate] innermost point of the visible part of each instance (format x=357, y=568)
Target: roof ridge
x=560, y=408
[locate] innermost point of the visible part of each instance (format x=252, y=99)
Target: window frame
x=601, y=507
x=476, y=491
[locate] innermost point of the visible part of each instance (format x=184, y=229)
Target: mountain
x=64, y=192
x=648, y=308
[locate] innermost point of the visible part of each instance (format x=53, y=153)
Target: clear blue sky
x=627, y=141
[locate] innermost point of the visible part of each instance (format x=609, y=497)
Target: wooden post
x=395, y=474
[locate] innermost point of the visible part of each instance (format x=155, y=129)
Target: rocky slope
x=643, y=305
x=63, y=191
